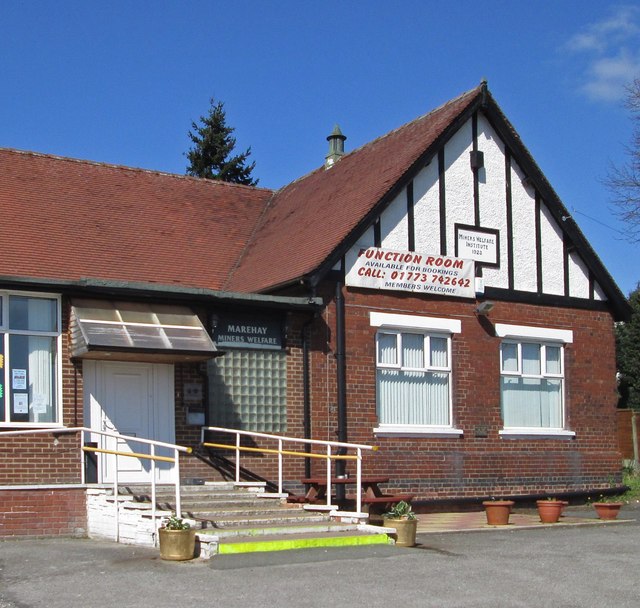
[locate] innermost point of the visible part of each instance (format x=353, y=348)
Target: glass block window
x=248, y=390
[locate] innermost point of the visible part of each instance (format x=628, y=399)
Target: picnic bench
x=372, y=494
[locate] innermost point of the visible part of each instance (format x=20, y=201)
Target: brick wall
x=474, y=465
x=43, y=512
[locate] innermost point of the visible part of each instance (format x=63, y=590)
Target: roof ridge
x=441, y=107
x=106, y=165
x=424, y=116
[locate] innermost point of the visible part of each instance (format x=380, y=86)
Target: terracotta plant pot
x=607, y=510
x=405, y=530
x=177, y=545
x=498, y=511
x=550, y=510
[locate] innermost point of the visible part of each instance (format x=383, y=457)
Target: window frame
x=545, y=338
x=429, y=328
x=6, y=332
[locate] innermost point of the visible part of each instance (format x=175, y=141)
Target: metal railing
x=329, y=456
x=151, y=456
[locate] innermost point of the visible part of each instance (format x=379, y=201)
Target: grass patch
x=631, y=479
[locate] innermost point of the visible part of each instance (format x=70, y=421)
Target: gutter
x=153, y=290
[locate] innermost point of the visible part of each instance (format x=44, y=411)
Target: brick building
x=427, y=293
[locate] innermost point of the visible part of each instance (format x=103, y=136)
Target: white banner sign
x=376, y=268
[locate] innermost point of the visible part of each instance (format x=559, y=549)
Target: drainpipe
x=341, y=379
x=306, y=390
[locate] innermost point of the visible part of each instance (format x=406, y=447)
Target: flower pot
x=497, y=511
x=177, y=545
x=550, y=510
x=405, y=535
x=607, y=510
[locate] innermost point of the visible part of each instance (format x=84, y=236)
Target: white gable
x=532, y=253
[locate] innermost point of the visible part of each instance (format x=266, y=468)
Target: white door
x=134, y=399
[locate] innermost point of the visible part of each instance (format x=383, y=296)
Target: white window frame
x=436, y=327
x=6, y=333
x=544, y=337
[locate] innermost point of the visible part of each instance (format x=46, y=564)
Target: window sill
x=534, y=433
x=31, y=426
x=402, y=430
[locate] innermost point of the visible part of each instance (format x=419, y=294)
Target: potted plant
x=608, y=507
x=177, y=539
x=497, y=511
x=550, y=510
x=403, y=519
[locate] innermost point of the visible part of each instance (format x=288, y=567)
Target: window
x=531, y=385
x=532, y=379
x=413, y=374
x=248, y=390
x=29, y=361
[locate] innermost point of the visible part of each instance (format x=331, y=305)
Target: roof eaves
x=152, y=290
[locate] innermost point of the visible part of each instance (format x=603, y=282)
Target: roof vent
x=336, y=147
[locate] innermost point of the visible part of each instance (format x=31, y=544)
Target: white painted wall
x=493, y=214
x=394, y=226
x=493, y=206
x=552, y=254
x=458, y=183
x=578, y=277
x=426, y=209
x=523, y=206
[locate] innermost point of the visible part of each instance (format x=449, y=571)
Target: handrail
x=329, y=456
x=284, y=452
x=152, y=443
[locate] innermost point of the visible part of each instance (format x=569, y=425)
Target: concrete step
x=257, y=520
x=232, y=519
x=214, y=504
x=310, y=527
x=240, y=509
x=288, y=542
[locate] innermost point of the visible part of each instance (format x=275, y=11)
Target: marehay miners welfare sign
x=376, y=268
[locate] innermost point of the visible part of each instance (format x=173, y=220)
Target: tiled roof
x=309, y=218
x=67, y=219
x=73, y=219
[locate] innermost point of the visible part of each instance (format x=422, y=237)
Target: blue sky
x=121, y=82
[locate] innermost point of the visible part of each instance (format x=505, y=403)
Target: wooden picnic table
x=318, y=486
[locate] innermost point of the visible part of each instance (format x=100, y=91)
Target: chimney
x=336, y=147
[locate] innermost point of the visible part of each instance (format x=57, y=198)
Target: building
x=427, y=293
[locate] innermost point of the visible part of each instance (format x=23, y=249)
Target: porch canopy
x=138, y=331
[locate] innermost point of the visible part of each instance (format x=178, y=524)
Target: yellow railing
x=329, y=456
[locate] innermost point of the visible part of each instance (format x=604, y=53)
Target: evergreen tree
x=628, y=355
x=211, y=155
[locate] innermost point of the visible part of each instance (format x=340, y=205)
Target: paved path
x=562, y=566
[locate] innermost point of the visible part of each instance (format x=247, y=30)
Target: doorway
x=134, y=399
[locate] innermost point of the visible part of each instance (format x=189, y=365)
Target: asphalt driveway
x=578, y=566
